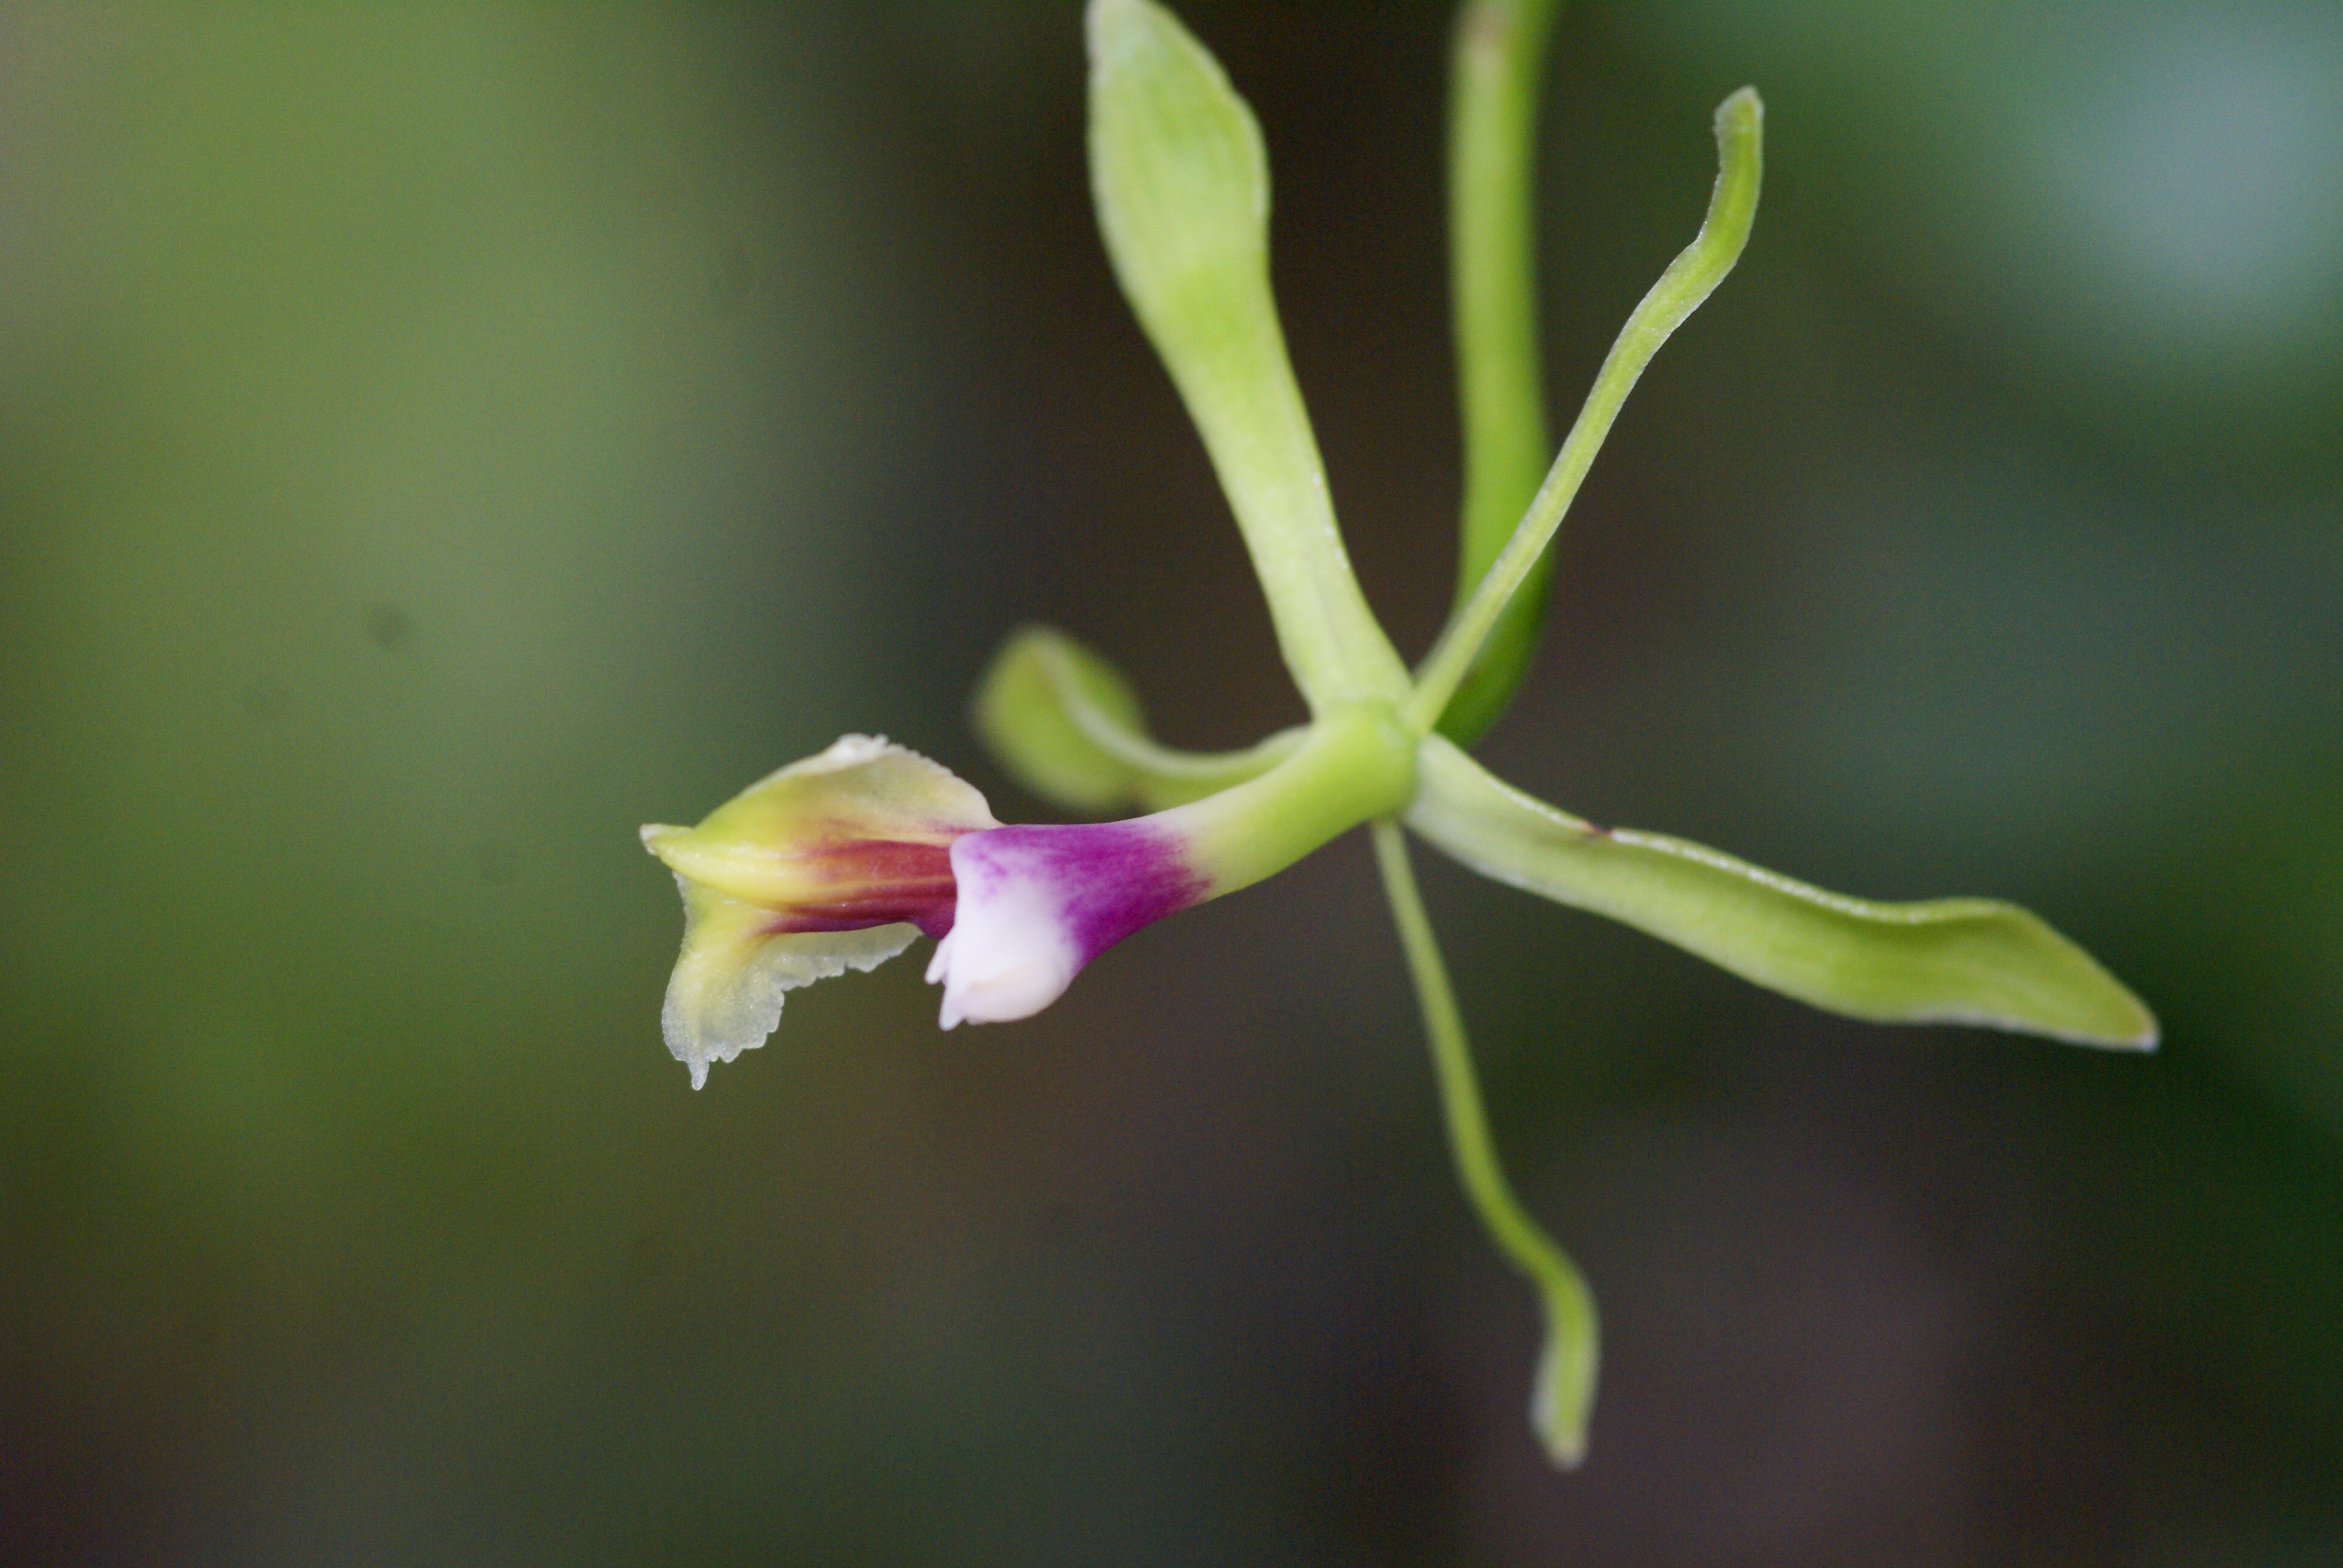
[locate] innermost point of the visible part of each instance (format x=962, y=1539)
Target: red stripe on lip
x=878, y=882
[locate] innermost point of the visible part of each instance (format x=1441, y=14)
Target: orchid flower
x=842, y=860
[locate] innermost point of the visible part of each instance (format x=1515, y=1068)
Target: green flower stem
x=1493, y=90
x=1689, y=279
x=1354, y=764
x=1563, y=1392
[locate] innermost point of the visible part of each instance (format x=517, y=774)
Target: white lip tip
x=1017, y=992
x=1010, y=953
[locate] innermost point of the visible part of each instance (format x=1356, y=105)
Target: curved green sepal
x=1946, y=960
x=1066, y=725
x=1182, y=191
x=1689, y=279
x=1024, y=712
x=1562, y=1393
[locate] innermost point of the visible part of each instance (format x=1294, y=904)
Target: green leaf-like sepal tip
x=1029, y=710
x=1946, y=960
x=1065, y=724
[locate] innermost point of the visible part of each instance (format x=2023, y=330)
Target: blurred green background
x=435, y=440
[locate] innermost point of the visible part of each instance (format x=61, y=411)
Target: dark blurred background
x=433, y=441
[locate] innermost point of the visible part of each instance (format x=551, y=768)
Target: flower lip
x=858, y=836
x=829, y=864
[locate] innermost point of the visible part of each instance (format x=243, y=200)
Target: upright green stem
x=1565, y=1389
x=1688, y=281
x=1493, y=112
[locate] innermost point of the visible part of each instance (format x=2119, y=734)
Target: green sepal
x=1064, y=723
x=1946, y=960
x=1024, y=712
x=1181, y=185
x=1496, y=71
x=1690, y=278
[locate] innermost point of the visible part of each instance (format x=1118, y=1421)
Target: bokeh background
x=435, y=440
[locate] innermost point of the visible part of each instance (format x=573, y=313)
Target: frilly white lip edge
x=1009, y=953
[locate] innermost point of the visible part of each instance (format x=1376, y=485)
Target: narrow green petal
x=1026, y=708
x=1946, y=960
x=1066, y=725
x=1182, y=191
x=1689, y=279
x=1562, y=1394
